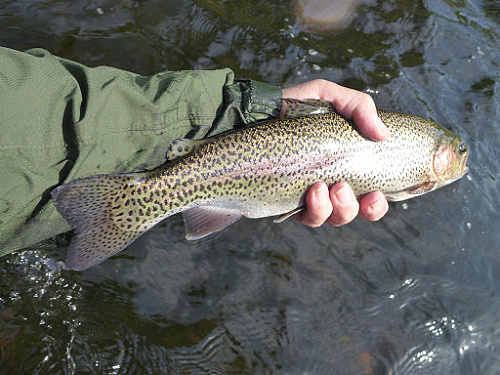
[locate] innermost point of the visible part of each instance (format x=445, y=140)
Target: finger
x=318, y=206
x=364, y=115
x=348, y=102
x=373, y=206
x=360, y=107
x=306, y=90
x=345, y=205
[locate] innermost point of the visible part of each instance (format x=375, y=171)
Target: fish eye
x=462, y=148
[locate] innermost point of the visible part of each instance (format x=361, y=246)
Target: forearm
x=61, y=120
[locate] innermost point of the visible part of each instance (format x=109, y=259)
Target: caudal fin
x=104, y=223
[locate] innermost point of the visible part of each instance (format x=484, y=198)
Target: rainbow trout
x=261, y=170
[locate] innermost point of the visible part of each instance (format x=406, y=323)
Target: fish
x=260, y=170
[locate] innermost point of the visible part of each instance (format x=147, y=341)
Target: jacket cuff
x=246, y=101
x=261, y=100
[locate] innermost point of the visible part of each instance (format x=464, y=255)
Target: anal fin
x=204, y=220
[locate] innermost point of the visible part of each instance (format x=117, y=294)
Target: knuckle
x=319, y=81
x=374, y=207
x=365, y=99
x=315, y=218
x=343, y=217
x=312, y=222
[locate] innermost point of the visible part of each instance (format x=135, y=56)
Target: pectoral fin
x=414, y=191
x=285, y=216
x=423, y=188
x=204, y=220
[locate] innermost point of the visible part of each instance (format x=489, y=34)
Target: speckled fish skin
x=258, y=171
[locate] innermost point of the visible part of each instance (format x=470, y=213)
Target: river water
x=416, y=293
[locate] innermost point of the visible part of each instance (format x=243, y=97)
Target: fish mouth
x=462, y=167
x=461, y=172
x=463, y=164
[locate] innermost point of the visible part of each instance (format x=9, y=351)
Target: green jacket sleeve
x=60, y=120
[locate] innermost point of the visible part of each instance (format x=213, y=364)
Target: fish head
x=449, y=159
x=445, y=162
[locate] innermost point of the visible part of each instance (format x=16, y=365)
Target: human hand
x=338, y=205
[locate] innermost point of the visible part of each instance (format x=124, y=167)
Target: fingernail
x=384, y=131
x=320, y=191
x=344, y=195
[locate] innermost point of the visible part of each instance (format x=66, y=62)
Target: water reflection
x=324, y=15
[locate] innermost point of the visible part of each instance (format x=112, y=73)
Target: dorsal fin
x=297, y=108
x=182, y=147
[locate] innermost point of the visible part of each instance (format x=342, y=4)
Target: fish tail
x=104, y=220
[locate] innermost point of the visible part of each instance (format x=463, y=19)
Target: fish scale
x=258, y=171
